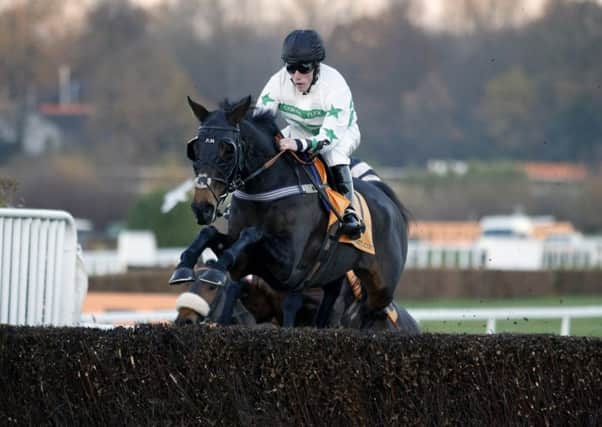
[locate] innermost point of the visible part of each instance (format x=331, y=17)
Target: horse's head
x=199, y=304
x=217, y=156
x=205, y=303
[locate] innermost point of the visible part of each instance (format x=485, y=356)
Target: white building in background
x=447, y=167
x=503, y=242
x=512, y=242
x=137, y=248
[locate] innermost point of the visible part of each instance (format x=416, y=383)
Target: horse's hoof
x=213, y=277
x=181, y=275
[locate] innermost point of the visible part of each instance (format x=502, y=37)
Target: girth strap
x=304, y=277
x=276, y=194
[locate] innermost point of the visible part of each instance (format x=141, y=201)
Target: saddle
x=340, y=203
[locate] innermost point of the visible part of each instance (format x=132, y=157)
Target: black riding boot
x=352, y=227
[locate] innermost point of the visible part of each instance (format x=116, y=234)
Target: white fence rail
x=430, y=255
x=501, y=253
x=42, y=278
x=100, y=263
x=488, y=253
x=491, y=315
x=127, y=317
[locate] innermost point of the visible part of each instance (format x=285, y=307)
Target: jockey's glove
x=312, y=145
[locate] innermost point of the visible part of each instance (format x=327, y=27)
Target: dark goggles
x=302, y=67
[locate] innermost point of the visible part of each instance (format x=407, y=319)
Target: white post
x=565, y=326
x=491, y=325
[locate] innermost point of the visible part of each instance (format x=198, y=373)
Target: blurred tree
x=175, y=228
x=70, y=182
x=529, y=91
x=430, y=103
x=507, y=109
x=482, y=16
x=138, y=88
x=381, y=58
x=224, y=57
x=8, y=186
x=588, y=207
x=29, y=59
x=560, y=51
x=471, y=196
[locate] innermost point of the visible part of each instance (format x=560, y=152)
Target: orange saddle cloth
x=365, y=242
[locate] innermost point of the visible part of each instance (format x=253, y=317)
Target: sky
x=433, y=13
x=430, y=13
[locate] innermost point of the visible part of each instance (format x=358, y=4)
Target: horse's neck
x=281, y=173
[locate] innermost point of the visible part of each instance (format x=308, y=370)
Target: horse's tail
x=405, y=212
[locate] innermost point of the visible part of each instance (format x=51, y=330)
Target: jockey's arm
x=269, y=97
x=339, y=118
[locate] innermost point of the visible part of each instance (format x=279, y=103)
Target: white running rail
x=42, y=278
x=491, y=315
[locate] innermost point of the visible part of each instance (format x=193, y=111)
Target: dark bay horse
x=260, y=305
x=277, y=226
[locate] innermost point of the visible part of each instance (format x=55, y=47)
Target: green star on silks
x=334, y=111
x=266, y=98
x=330, y=134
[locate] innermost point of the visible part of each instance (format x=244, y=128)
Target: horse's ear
x=199, y=111
x=239, y=110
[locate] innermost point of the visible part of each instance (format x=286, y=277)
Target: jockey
x=315, y=101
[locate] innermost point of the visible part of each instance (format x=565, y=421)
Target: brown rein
x=269, y=163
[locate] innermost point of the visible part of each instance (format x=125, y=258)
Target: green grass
x=579, y=327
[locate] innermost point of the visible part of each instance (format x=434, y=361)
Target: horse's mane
x=265, y=120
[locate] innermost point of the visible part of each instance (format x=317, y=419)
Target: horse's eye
x=226, y=150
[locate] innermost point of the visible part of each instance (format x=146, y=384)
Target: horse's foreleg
x=247, y=237
x=232, y=293
x=290, y=306
x=184, y=270
x=331, y=292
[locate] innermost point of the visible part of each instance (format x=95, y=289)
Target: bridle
x=233, y=178
x=203, y=181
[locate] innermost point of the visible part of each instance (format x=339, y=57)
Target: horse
x=277, y=228
x=260, y=305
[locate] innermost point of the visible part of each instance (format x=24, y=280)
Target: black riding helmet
x=304, y=46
